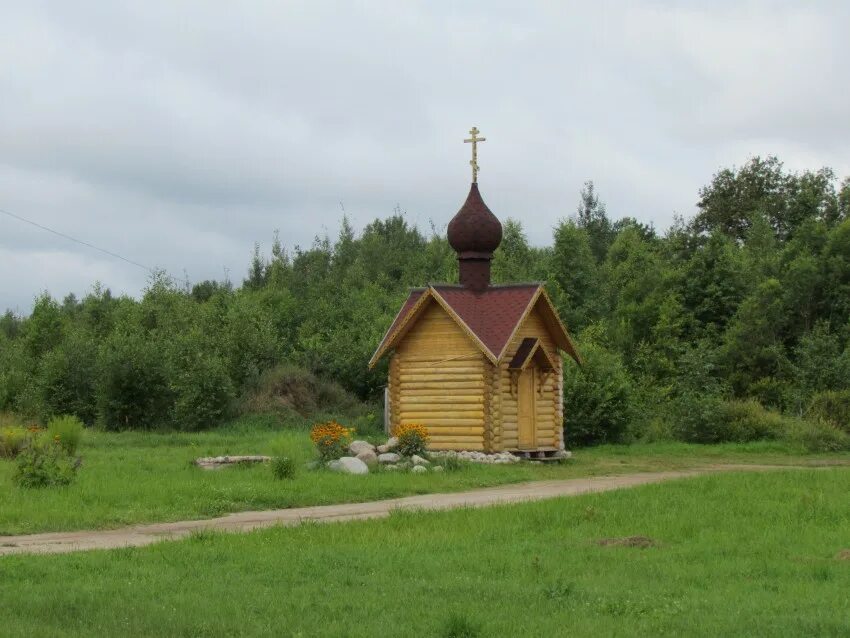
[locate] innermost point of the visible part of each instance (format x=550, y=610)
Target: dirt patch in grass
x=844, y=554
x=641, y=542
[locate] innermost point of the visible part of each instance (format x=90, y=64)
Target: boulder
x=357, y=447
x=419, y=469
x=418, y=460
x=391, y=444
x=389, y=457
x=368, y=457
x=437, y=468
x=349, y=465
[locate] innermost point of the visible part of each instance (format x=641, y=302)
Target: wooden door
x=527, y=408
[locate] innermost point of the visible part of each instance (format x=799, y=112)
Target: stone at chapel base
x=418, y=460
x=389, y=457
x=357, y=447
x=349, y=465
x=368, y=457
x=390, y=445
x=418, y=469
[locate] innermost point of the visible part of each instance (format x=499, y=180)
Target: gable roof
x=490, y=317
x=531, y=350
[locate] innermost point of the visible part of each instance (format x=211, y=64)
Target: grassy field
x=732, y=554
x=137, y=477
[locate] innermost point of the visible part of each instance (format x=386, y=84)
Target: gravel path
x=139, y=535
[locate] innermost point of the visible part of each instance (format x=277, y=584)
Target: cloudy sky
x=177, y=133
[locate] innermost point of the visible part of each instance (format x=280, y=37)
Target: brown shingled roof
x=491, y=316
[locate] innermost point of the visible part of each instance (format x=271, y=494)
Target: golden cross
x=474, y=161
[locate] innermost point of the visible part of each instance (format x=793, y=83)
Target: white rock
x=418, y=469
x=418, y=460
x=392, y=468
x=368, y=457
x=357, y=447
x=389, y=457
x=437, y=468
x=349, y=465
x=391, y=444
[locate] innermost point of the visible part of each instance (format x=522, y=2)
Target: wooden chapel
x=478, y=364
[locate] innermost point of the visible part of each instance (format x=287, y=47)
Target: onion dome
x=474, y=231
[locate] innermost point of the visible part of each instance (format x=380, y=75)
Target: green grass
x=736, y=555
x=137, y=477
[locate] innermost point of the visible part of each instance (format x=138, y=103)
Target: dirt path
x=138, y=535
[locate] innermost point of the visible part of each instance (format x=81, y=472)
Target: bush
x=816, y=435
x=412, y=439
x=203, y=393
x=66, y=430
x=331, y=440
x=831, y=406
x=66, y=378
x=283, y=467
x=695, y=418
x=597, y=398
x=44, y=463
x=134, y=391
x=748, y=420
x=710, y=419
x=287, y=387
x=13, y=439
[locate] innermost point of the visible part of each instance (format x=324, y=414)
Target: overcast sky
x=178, y=133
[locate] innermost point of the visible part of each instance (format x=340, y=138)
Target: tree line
x=748, y=301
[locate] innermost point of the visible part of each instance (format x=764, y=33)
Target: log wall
x=440, y=381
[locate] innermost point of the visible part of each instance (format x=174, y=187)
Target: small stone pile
x=500, y=458
x=364, y=455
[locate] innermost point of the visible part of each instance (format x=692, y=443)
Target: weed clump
x=13, y=439
x=45, y=463
x=283, y=467
x=66, y=430
x=458, y=626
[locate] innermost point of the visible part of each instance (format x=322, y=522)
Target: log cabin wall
x=549, y=431
x=440, y=382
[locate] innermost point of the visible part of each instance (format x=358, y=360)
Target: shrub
x=696, y=418
x=331, y=439
x=287, y=387
x=710, y=419
x=743, y=421
x=283, y=467
x=134, y=391
x=13, y=439
x=597, y=398
x=44, y=463
x=66, y=378
x=412, y=439
x=203, y=393
x=816, y=435
x=831, y=406
x=66, y=430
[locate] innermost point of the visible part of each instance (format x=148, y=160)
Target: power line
x=83, y=243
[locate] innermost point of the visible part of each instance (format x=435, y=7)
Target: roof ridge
x=528, y=284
